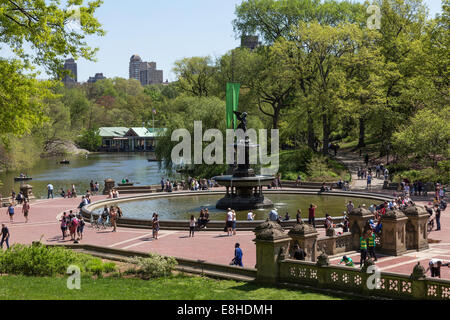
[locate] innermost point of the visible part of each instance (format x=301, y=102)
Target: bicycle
x=97, y=225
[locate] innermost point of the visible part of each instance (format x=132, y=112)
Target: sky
x=164, y=31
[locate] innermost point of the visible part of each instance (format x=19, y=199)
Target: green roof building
x=122, y=139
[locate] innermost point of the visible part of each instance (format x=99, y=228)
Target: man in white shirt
x=50, y=190
x=230, y=222
x=251, y=216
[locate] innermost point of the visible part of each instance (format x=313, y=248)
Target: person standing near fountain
x=155, y=225
x=192, y=223
x=229, y=222
x=312, y=215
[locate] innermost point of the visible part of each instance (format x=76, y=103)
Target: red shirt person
x=312, y=215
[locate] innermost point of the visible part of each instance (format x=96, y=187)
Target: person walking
x=371, y=245
x=299, y=216
x=192, y=223
x=5, y=236
x=113, y=219
x=229, y=222
x=437, y=210
x=26, y=210
x=312, y=215
x=80, y=228
x=49, y=191
x=363, y=247
x=155, y=225
x=237, y=261
x=64, y=225
x=369, y=182
x=11, y=212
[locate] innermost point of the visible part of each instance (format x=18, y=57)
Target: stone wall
x=353, y=281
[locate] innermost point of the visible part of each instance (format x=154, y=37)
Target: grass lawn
x=174, y=288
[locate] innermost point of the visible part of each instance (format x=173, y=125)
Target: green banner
x=232, y=104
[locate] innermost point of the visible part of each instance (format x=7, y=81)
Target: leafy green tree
x=42, y=26
x=90, y=139
x=195, y=75
x=273, y=19
x=324, y=48
x=427, y=136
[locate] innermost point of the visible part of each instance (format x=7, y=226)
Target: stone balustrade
x=354, y=281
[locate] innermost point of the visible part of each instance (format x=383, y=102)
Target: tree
x=21, y=103
x=195, y=75
x=42, y=26
x=273, y=19
x=426, y=136
x=37, y=33
x=324, y=49
x=90, y=139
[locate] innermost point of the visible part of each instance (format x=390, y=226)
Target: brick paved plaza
x=212, y=246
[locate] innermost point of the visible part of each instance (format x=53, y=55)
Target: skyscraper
x=97, y=77
x=145, y=72
x=135, y=67
x=72, y=77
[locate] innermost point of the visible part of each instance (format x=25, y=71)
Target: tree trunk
x=276, y=116
x=311, y=135
x=362, y=133
x=326, y=134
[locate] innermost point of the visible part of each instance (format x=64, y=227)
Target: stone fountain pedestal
x=244, y=187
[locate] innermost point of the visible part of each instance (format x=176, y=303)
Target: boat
x=65, y=162
x=154, y=160
x=22, y=179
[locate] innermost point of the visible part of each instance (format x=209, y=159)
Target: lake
x=80, y=171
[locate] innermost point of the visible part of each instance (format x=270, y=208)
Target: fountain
x=244, y=187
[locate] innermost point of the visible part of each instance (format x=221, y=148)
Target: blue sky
x=164, y=31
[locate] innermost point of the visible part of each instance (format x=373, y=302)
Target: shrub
x=155, y=266
x=40, y=260
x=109, y=267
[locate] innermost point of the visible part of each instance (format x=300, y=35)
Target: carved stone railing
x=353, y=281
x=335, y=245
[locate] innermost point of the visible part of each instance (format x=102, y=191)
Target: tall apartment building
x=145, y=72
x=72, y=77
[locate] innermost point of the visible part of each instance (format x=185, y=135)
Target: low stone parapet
x=353, y=281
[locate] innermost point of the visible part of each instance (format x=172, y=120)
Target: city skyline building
x=145, y=72
x=72, y=77
x=97, y=77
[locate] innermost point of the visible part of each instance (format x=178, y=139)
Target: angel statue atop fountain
x=242, y=117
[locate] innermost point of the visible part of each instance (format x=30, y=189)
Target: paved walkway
x=353, y=161
x=213, y=247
